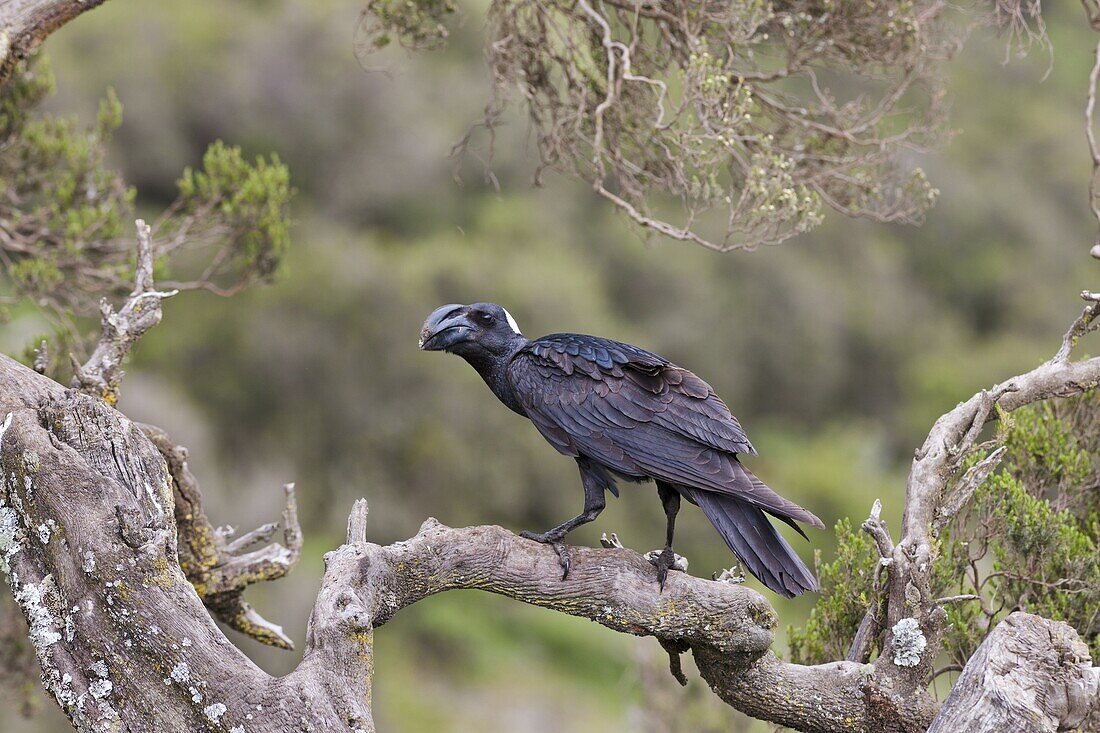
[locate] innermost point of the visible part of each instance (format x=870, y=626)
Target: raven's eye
x=486, y=318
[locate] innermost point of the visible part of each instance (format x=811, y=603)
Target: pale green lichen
x=909, y=643
x=214, y=711
x=32, y=599
x=9, y=533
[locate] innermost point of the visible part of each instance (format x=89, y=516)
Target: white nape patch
x=511, y=321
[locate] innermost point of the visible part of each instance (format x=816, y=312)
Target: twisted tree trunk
x=89, y=539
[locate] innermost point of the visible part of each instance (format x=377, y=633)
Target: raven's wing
x=640, y=415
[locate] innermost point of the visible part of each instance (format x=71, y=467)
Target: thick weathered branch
x=115, y=561
x=121, y=635
x=107, y=601
x=728, y=627
x=914, y=619
x=1030, y=675
x=615, y=588
x=25, y=24
x=101, y=374
x=221, y=571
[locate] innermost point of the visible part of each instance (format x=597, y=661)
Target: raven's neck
x=493, y=368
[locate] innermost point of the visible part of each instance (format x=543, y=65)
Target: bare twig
x=876, y=528
x=956, y=599
x=1084, y=324
x=1090, y=135
x=974, y=477
x=872, y=623
x=101, y=374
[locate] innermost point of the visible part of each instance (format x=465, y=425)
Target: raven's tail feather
x=748, y=532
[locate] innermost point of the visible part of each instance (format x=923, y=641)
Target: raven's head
x=470, y=330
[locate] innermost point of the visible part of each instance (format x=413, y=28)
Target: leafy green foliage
x=22, y=93
x=252, y=201
x=1029, y=539
x=415, y=24
x=847, y=585
x=65, y=213
x=61, y=207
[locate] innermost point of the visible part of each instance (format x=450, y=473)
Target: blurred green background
x=837, y=350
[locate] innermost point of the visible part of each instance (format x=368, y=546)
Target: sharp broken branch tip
x=292, y=530
x=143, y=279
x=357, y=523
x=611, y=542
x=255, y=537
x=732, y=575
x=41, y=358
x=78, y=369
x=955, y=599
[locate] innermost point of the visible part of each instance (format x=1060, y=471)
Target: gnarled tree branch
x=25, y=24
x=121, y=329
x=915, y=617
x=147, y=624
x=107, y=600
x=220, y=569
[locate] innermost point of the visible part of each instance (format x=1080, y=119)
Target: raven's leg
x=594, y=502
x=667, y=559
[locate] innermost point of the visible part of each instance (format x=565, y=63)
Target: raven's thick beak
x=445, y=327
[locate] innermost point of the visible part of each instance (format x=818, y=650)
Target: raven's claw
x=666, y=560
x=554, y=540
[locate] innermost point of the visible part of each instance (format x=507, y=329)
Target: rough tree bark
x=997, y=693
x=25, y=24
x=111, y=559
x=911, y=607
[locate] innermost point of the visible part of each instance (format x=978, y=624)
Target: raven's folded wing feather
x=640, y=415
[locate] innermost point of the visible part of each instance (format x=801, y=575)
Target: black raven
x=624, y=412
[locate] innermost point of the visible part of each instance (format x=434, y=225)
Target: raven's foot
x=554, y=540
x=666, y=560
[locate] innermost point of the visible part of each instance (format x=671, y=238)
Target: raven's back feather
x=641, y=416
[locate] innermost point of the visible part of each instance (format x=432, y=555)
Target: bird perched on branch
x=625, y=413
